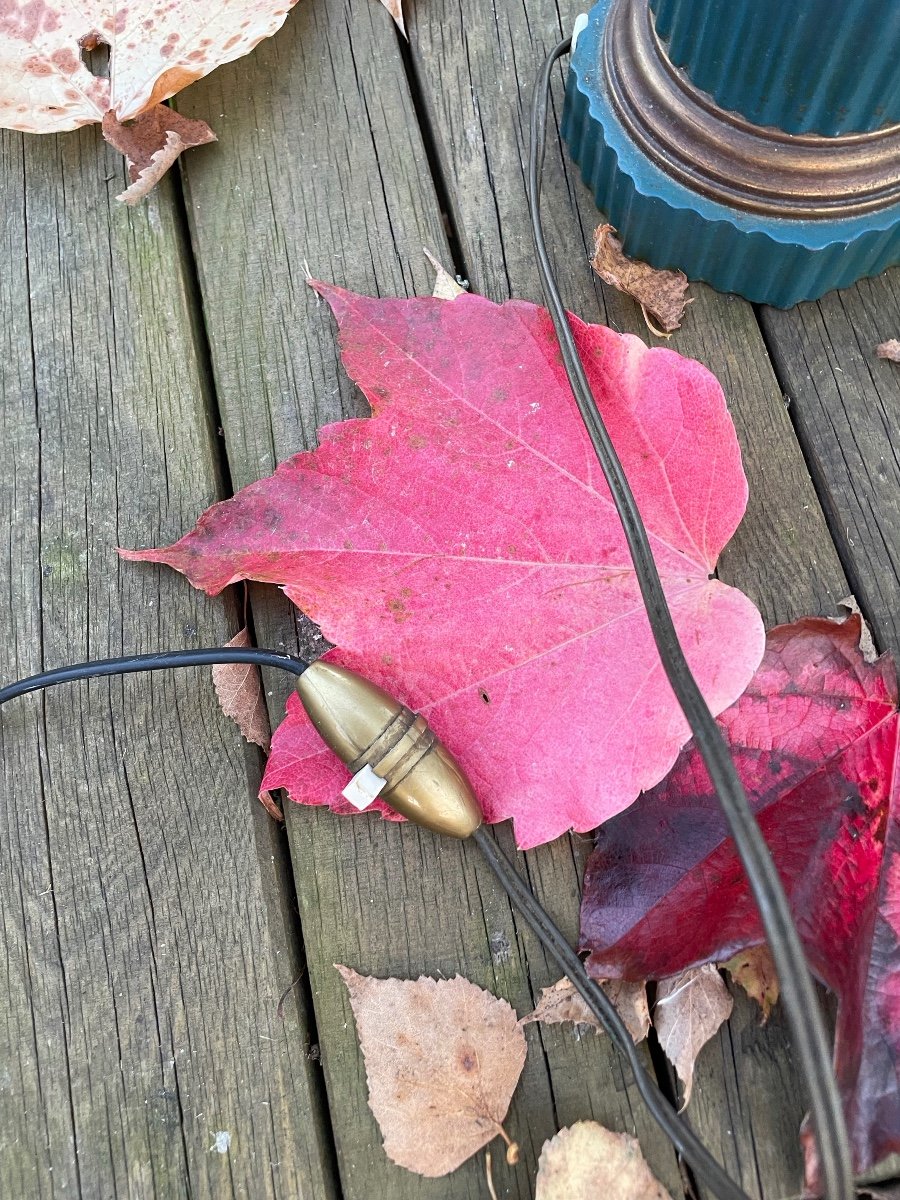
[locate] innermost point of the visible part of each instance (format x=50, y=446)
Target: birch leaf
x=561, y=1003
x=689, y=1009
x=443, y=1058
x=588, y=1162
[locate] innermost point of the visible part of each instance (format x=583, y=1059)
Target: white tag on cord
x=581, y=22
x=363, y=788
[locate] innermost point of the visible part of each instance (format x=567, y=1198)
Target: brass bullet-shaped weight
x=365, y=726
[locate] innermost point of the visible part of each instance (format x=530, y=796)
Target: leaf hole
x=95, y=55
x=485, y=697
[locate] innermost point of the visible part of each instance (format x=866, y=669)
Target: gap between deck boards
x=243, y=600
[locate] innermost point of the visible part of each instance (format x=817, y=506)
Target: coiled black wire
x=800, y=1001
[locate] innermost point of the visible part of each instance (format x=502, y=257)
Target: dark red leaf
x=815, y=739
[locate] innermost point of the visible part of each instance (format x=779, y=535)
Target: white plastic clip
x=580, y=23
x=363, y=788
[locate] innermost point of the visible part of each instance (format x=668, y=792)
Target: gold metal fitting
x=365, y=726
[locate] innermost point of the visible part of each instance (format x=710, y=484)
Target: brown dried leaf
x=445, y=286
x=270, y=804
x=561, y=1003
x=690, y=1007
x=443, y=1058
x=151, y=143
x=240, y=693
x=156, y=48
x=889, y=350
x=754, y=970
x=659, y=293
x=586, y=1161
x=630, y=999
x=395, y=8
x=156, y=168
x=867, y=646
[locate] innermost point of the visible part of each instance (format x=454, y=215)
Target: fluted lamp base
x=776, y=217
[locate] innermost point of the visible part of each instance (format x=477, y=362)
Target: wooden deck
x=168, y=950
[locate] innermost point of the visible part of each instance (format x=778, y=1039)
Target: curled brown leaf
x=151, y=143
x=659, y=293
x=754, y=970
x=239, y=689
x=561, y=1003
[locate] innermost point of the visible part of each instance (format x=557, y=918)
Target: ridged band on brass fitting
x=400, y=745
x=366, y=727
x=725, y=157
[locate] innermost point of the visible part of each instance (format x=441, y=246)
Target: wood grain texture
x=320, y=170
x=146, y=944
x=149, y=927
x=747, y=1097
x=476, y=69
x=325, y=167
x=845, y=403
x=383, y=899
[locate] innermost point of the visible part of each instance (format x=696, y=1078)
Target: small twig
x=489, y=1175
x=279, y=1011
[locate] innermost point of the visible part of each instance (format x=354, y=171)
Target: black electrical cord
x=155, y=662
x=685, y=1141
x=704, y=1165
x=797, y=991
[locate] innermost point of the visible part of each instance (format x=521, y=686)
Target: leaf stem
x=512, y=1148
x=489, y=1175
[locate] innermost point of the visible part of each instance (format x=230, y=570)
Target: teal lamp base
x=774, y=216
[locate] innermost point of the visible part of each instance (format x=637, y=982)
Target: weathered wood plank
x=476, y=70
x=747, y=1098
x=343, y=186
x=845, y=404
x=376, y=915
x=846, y=407
x=146, y=944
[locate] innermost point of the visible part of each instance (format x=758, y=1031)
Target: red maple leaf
x=815, y=739
x=461, y=548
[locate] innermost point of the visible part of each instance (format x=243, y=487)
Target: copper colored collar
x=728, y=159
